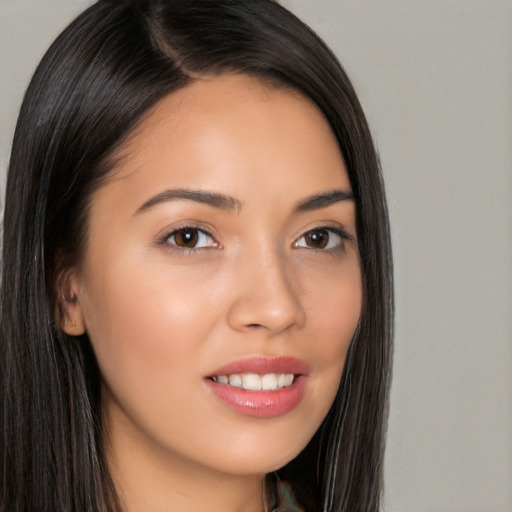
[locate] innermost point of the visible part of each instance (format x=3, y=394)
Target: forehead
x=229, y=130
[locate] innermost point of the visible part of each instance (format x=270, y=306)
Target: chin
x=265, y=459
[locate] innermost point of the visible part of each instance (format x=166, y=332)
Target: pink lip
x=262, y=404
x=263, y=365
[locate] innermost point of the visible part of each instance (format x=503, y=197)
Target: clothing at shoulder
x=286, y=498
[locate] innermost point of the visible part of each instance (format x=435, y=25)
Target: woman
x=196, y=289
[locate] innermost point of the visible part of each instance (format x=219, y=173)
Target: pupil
x=317, y=238
x=186, y=237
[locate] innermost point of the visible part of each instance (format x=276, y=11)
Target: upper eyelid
x=163, y=237
x=200, y=226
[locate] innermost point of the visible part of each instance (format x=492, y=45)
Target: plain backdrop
x=435, y=79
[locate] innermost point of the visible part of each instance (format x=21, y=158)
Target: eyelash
x=338, y=247
x=165, y=240
x=212, y=243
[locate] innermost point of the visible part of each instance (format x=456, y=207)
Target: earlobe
x=68, y=312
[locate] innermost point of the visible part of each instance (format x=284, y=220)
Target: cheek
x=146, y=332
x=340, y=316
x=145, y=326
x=334, y=302
x=134, y=298
x=334, y=311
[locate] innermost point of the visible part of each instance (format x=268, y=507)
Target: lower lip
x=260, y=404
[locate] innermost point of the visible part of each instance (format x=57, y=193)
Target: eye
x=190, y=238
x=322, y=238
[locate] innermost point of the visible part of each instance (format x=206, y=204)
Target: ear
x=68, y=314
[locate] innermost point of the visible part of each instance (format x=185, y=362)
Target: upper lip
x=264, y=365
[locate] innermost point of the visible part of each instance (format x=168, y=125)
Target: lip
x=263, y=365
x=262, y=404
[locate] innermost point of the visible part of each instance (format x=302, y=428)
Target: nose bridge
x=266, y=297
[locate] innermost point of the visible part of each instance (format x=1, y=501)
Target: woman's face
x=221, y=254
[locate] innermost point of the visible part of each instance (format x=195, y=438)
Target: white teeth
x=288, y=380
x=255, y=382
x=235, y=380
x=223, y=379
x=269, y=381
x=284, y=380
x=251, y=381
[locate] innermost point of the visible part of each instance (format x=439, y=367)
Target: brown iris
x=317, y=238
x=186, y=237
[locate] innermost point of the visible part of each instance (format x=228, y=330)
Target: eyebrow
x=229, y=203
x=214, y=199
x=323, y=200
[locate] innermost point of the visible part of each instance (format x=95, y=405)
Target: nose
x=266, y=297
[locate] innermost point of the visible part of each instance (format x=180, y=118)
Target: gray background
x=435, y=78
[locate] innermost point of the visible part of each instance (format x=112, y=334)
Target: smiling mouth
x=256, y=382
x=261, y=387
